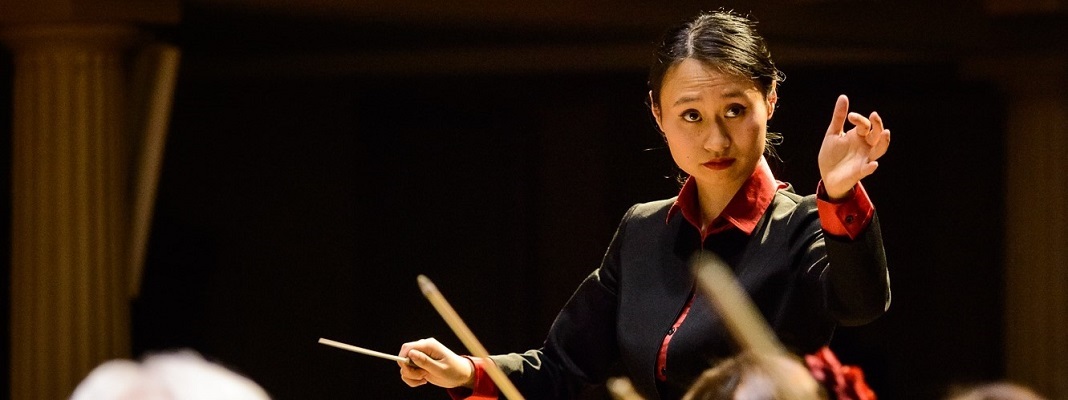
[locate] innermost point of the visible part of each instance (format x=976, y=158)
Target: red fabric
x=845, y=217
x=742, y=212
x=661, y=358
x=483, y=388
x=842, y=382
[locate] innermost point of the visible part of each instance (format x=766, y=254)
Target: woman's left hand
x=848, y=156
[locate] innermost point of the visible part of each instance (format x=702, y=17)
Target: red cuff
x=846, y=217
x=483, y=388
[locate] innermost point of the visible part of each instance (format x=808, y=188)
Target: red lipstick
x=719, y=164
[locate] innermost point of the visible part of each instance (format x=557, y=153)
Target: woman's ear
x=655, y=109
x=773, y=100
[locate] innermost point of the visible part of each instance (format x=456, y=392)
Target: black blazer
x=804, y=282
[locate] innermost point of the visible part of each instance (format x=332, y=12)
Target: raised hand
x=847, y=156
x=434, y=363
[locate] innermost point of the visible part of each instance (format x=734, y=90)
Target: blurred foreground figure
x=995, y=391
x=182, y=375
x=756, y=377
x=819, y=376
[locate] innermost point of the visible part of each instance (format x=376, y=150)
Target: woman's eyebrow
x=730, y=94
x=687, y=99
x=733, y=93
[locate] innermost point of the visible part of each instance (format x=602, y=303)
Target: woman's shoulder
x=652, y=209
x=787, y=196
x=789, y=205
x=649, y=218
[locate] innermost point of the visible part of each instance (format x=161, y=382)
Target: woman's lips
x=719, y=164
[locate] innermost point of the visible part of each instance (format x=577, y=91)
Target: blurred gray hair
x=182, y=375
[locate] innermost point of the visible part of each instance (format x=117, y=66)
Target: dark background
x=318, y=161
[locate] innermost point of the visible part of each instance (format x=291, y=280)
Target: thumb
x=869, y=168
x=422, y=360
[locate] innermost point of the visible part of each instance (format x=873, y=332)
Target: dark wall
x=296, y=207
x=293, y=209
x=937, y=192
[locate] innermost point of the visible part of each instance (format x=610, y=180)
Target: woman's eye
x=691, y=116
x=735, y=110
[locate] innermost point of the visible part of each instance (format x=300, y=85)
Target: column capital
x=136, y=12
x=56, y=37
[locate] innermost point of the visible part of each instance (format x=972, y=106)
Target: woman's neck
x=713, y=199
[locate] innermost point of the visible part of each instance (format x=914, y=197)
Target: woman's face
x=715, y=123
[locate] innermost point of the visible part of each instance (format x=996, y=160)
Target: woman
x=809, y=263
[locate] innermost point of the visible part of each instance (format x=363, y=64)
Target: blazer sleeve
x=581, y=345
x=851, y=273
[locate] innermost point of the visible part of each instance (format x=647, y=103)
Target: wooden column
x=69, y=299
x=1036, y=271
x=1036, y=220
x=72, y=148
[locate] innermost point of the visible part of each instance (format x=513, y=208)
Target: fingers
x=425, y=361
x=882, y=143
x=842, y=151
x=428, y=346
x=405, y=348
x=863, y=125
x=422, y=367
x=432, y=362
x=413, y=376
x=841, y=109
x=876, y=126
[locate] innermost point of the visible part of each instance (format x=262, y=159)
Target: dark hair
x=722, y=39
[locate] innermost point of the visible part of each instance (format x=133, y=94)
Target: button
x=663, y=371
x=671, y=331
x=849, y=219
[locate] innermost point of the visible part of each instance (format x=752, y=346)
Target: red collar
x=743, y=211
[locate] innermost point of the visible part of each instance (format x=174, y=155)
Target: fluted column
x=1036, y=273
x=1036, y=218
x=70, y=303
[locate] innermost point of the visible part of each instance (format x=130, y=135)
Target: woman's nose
x=717, y=139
